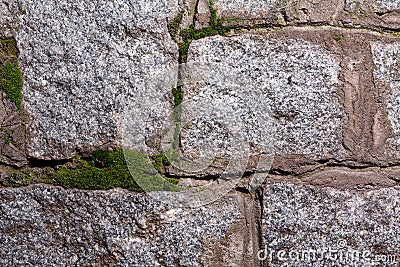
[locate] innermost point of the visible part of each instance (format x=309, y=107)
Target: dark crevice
x=281, y=172
x=40, y=163
x=285, y=16
x=380, y=14
x=196, y=8
x=242, y=189
x=259, y=197
x=304, y=10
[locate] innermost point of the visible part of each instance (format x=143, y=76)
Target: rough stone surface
x=299, y=219
x=49, y=226
x=188, y=7
x=318, y=105
x=9, y=11
x=12, y=120
x=343, y=178
x=12, y=134
x=246, y=9
x=387, y=76
x=379, y=6
x=353, y=14
x=202, y=13
x=84, y=62
x=279, y=94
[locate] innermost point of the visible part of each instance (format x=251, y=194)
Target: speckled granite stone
x=246, y=8
x=83, y=62
x=339, y=225
x=50, y=226
x=381, y=6
x=283, y=92
x=372, y=14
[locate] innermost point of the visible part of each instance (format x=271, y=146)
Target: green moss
x=187, y=35
x=159, y=161
x=173, y=181
x=396, y=34
x=105, y=170
x=213, y=14
x=8, y=140
x=230, y=20
x=338, y=37
x=215, y=27
x=173, y=153
x=27, y=176
x=174, y=26
x=177, y=92
x=11, y=83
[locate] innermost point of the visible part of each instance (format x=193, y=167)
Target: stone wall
x=288, y=111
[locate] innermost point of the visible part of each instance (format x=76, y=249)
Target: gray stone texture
x=12, y=134
x=379, y=6
x=84, y=62
x=304, y=218
x=353, y=14
x=9, y=12
x=280, y=94
x=50, y=226
x=318, y=104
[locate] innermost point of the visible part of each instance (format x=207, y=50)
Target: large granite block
x=50, y=226
x=84, y=63
x=260, y=95
x=372, y=14
x=317, y=226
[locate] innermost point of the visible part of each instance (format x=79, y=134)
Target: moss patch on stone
x=174, y=25
x=187, y=35
x=10, y=75
x=159, y=161
x=11, y=83
x=7, y=139
x=177, y=92
x=338, y=37
x=27, y=176
x=103, y=170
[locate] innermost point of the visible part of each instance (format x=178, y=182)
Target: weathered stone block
x=246, y=8
x=269, y=94
x=355, y=14
x=51, y=226
x=387, y=77
x=83, y=63
x=377, y=6
x=307, y=225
